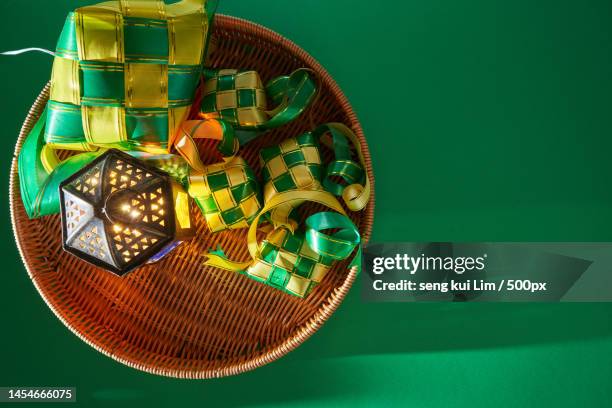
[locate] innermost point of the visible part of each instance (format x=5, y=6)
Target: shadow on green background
x=487, y=121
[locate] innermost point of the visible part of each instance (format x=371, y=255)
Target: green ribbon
x=293, y=94
x=338, y=245
x=356, y=262
x=39, y=189
x=343, y=165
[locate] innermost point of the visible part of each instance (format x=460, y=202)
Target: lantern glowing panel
x=118, y=213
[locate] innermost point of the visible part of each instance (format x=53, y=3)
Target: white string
x=24, y=50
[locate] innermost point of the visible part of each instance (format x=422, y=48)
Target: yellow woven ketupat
x=238, y=97
x=227, y=194
x=287, y=262
x=125, y=74
x=295, y=164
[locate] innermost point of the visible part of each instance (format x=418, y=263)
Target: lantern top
x=117, y=212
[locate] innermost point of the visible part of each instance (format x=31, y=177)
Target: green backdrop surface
x=488, y=120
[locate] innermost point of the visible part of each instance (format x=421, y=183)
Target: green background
x=487, y=120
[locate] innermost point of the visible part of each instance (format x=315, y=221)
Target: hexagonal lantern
x=118, y=213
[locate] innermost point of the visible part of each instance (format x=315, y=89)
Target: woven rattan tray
x=177, y=318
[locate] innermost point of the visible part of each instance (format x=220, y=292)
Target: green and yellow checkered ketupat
x=125, y=74
x=240, y=98
x=236, y=97
x=295, y=164
x=287, y=262
x=227, y=193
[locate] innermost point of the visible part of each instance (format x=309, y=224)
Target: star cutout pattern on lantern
x=118, y=213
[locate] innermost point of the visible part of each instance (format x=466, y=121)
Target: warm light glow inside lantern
x=119, y=213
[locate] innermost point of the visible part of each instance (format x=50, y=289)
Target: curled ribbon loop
x=290, y=197
x=292, y=94
x=356, y=194
x=204, y=129
x=337, y=246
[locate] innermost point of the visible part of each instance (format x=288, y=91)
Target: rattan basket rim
x=303, y=332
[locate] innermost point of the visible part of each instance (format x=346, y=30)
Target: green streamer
x=343, y=165
x=40, y=190
x=336, y=246
x=294, y=93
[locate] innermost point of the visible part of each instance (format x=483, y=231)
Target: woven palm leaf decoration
x=236, y=97
x=227, y=193
x=240, y=98
x=125, y=74
x=291, y=258
x=296, y=261
x=296, y=164
x=288, y=263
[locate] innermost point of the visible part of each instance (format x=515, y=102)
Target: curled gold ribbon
x=204, y=129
